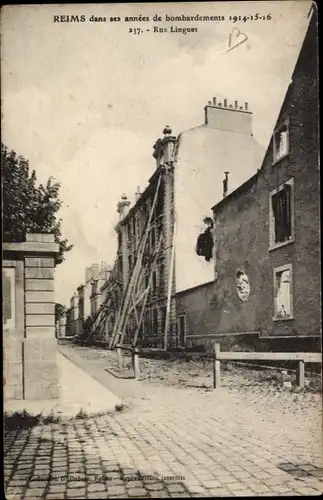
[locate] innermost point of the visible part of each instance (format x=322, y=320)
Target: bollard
x=216, y=367
x=135, y=363
x=119, y=356
x=300, y=375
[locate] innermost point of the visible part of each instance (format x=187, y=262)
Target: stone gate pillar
x=30, y=346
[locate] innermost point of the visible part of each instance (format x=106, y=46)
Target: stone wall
x=242, y=229
x=30, y=368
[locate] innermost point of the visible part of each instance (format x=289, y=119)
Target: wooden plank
x=136, y=363
x=119, y=356
x=125, y=347
x=219, y=335
x=36, y=284
x=216, y=367
x=307, y=357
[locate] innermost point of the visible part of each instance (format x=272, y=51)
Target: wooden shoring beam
x=170, y=286
x=118, y=326
x=149, y=286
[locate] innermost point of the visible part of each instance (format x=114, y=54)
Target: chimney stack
x=229, y=116
x=225, y=184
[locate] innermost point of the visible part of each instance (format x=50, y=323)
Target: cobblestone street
x=173, y=441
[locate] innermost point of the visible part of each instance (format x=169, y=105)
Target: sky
x=85, y=102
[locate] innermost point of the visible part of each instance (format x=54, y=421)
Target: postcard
x=161, y=250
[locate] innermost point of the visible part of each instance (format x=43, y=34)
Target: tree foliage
x=28, y=207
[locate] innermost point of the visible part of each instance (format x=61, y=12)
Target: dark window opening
x=154, y=322
x=205, y=244
x=134, y=227
x=163, y=318
x=160, y=201
x=154, y=287
x=162, y=279
x=119, y=241
x=181, y=330
x=281, y=205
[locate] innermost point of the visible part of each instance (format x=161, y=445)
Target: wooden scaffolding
x=130, y=312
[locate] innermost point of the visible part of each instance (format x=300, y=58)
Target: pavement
x=173, y=441
x=86, y=396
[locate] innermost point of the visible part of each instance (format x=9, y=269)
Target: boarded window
x=281, y=141
x=283, y=307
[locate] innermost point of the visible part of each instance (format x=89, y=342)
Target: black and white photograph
x=161, y=271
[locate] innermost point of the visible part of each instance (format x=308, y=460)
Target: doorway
x=181, y=329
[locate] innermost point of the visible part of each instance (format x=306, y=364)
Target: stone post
x=31, y=341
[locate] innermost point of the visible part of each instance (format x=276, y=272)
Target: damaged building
x=165, y=240
x=267, y=234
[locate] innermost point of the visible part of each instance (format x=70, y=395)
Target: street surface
x=174, y=440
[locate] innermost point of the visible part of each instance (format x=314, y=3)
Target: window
x=119, y=241
x=154, y=286
x=205, y=241
x=283, y=297
x=163, y=318
x=162, y=279
x=154, y=322
x=134, y=226
x=181, y=328
x=281, y=142
x=281, y=212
